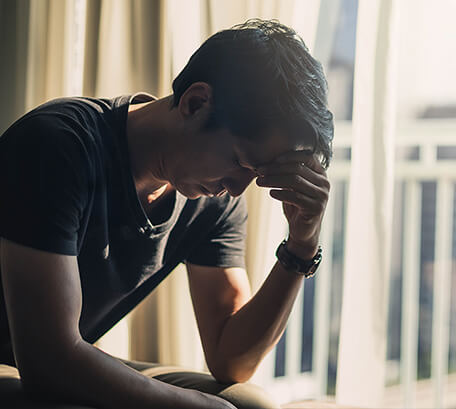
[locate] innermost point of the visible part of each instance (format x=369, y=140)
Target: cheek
x=212, y=168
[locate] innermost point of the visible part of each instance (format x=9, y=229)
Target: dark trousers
x=242, y=395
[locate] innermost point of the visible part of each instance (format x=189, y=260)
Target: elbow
x=35, y=383
x=46, y=383
x=230, y=372
x=46, y=374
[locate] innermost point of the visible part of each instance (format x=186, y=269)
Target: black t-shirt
x=66, y=187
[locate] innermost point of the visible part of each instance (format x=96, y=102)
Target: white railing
x=427, y=135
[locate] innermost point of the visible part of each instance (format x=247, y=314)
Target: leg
x=241, y=395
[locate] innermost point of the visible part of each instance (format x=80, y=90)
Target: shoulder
x=60, y=126
x=71, y=114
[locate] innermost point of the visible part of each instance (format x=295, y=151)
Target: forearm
x=93, y=377
x=255, y=328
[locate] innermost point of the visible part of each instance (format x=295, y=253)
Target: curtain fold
x=362, y=348
x=122, y=47
x=14, y=30
x=41, y=64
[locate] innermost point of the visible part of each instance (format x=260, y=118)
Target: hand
x=302, y=186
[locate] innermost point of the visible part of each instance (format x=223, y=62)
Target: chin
x=193, y=197
x=188, y=192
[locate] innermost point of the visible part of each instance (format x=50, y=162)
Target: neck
x=149, y=140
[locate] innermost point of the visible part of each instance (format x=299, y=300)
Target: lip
x=208, y=193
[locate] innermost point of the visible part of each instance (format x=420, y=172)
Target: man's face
x=216, y=162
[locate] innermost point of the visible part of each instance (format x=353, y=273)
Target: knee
x=248, y=396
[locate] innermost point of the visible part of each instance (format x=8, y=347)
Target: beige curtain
x=123, y=47
x=362, y=350
x=38, y=54
x=13, y=54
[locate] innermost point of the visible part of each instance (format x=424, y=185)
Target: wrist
x=305, y=251
x=298, y=264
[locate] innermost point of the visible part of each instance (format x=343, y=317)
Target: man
x=101, y=199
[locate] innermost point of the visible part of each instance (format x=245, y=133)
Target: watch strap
x=290, y=262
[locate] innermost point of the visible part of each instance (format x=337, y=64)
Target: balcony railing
x=422, y=335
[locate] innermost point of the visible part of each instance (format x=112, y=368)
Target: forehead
x=254, y=153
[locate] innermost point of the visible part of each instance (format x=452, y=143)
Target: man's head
x=262, y=77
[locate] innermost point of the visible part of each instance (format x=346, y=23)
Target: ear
x=196, y=101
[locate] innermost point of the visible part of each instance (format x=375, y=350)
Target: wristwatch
x=297, y=265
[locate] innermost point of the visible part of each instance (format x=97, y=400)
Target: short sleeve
x=43, y=184
x=224, y=246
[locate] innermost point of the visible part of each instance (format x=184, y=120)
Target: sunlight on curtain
x=56, y=30
x=45, y=48
x=362, y=350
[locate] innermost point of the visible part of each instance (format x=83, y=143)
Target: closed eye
x=248, y=167
x=237, y=163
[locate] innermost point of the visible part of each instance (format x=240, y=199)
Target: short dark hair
x=262, y=76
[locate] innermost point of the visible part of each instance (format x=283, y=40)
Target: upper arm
x=46, y=180
x=43, y=302
x=217, y=293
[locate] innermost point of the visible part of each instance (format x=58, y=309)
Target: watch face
x=312, y=270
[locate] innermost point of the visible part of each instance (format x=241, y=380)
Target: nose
x=236, y=183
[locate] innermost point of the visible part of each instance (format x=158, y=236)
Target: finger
x=304, y=156
x=309, y=206
x=296, y=168
x=295, y=183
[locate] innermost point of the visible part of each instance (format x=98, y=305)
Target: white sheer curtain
x=362, y=349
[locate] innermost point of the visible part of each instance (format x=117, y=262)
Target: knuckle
x=325, y=196
x=327, y=185
x=324, y=183
x=319, y=207
x=322, y=195
x=297, y=179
